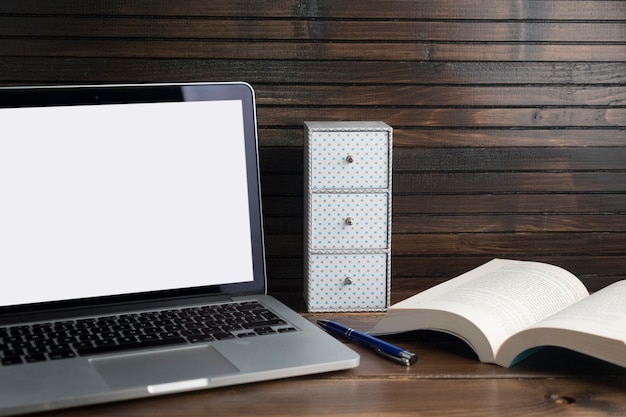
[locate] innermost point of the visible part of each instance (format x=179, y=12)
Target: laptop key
x=128, y=346
x=264, y=330
x=13, y=352
x=264, y=323
x=36, y=350
x=62, y=354
x=38, y=357
x=11, y=360
x=287, y=330
x=197, y=338
x=148, y=337
x=223, y=335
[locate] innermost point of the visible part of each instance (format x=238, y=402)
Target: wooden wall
x=509, y=115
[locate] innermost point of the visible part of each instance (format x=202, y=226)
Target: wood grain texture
x=509, y=116
x=448, y=380
x=398, y=397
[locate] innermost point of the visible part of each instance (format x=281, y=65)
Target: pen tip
x=323, y=324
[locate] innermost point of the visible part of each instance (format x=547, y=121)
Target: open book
x=505, y=309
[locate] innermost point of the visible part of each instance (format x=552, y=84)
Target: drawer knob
x=348, y=281
x=349, y=159
x=349, y=221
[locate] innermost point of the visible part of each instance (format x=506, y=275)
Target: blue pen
x=384, y=349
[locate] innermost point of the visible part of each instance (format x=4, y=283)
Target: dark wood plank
x=132, y=26
x=531, y=137
x=382, y=396
x=604, y=223
x=596, y=204
x=351, y=9
x=510, y=159
x=156, y=48
x=421, y=95
x=80, y=69
x=506, y=182
x=538, y=242
x=589, y=266
x=453, y=117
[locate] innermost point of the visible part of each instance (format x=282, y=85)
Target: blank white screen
x=113, y=199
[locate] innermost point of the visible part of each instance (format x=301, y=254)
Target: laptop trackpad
x=166, y=367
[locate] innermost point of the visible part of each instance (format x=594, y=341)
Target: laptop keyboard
x=91, y=336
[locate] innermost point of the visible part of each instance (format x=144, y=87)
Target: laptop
x=131, y=248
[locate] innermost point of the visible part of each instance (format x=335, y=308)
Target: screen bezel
x=45, y=96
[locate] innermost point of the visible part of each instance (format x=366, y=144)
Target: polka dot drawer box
x=347, y=216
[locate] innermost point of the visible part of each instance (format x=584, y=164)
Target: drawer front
x=347, y=282
x=356, y=159
x=349, y=221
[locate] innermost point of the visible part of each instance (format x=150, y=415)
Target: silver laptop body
x=118, y=203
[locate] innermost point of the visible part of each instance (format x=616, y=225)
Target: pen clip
x=397, y=359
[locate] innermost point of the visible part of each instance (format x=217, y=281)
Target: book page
x=594, y=326
x=603, y=314
x=501, y=297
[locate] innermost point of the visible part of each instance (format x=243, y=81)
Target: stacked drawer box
x=347, y=216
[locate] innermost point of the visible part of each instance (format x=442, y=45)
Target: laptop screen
x=111, y=191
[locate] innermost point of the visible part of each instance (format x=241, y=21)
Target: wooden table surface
x=447, y=381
